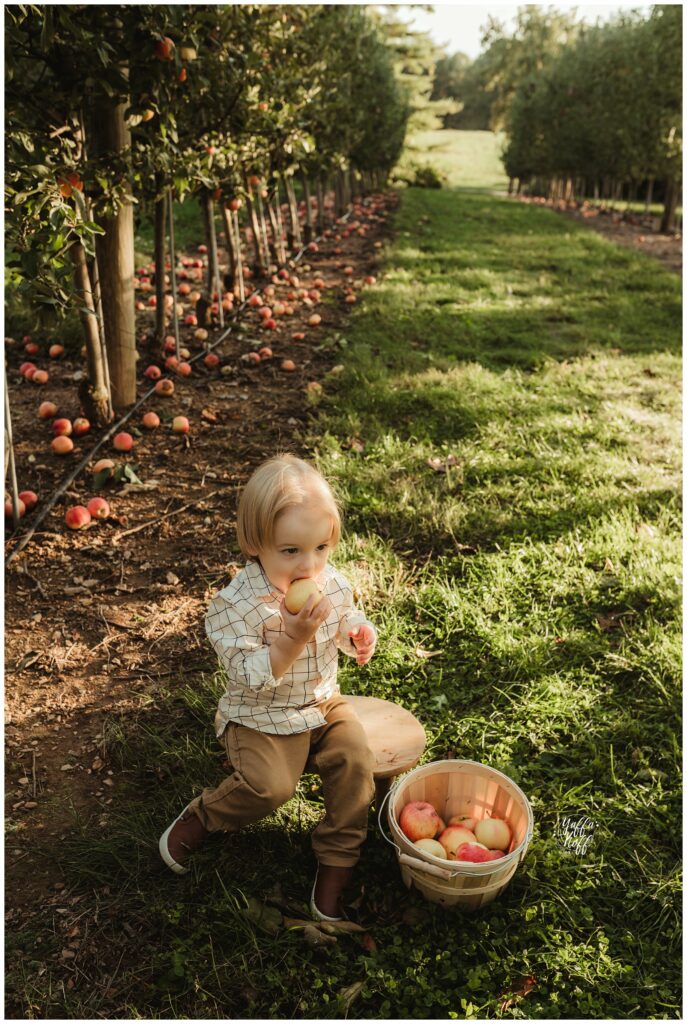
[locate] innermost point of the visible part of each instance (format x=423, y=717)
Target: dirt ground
x=97, y=620
x=635, y=230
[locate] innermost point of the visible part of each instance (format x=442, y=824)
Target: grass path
x=544, y=567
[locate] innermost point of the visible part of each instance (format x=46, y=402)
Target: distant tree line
x=586, y=111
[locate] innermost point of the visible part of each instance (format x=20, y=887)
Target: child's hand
x=364, y=639
x=302, y=627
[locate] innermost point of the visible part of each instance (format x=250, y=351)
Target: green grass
x=544, y=565
x=470, y=160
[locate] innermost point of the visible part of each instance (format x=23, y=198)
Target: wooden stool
x=395, y=736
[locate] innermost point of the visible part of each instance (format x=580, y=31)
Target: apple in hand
x=494, y=833
x=419, y=820
x=298, y=593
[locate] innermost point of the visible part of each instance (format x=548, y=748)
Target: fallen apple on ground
x=123, y=442
x=21, y=508
x=419, y=820
x=102, y=464
x=62, y=445
x=30, y=499
x=81, y=426
x=46, y=410
x=164, y=387
x=77, y=517
x=180, y=425
x=98, y=508
x=62, y=427
x=150, y=420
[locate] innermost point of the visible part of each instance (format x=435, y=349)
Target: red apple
x=314, y=320
x=171, y=363
x=419, y=820
x=102, y=464
x=27, y=368
x=298, y=336
x=180, y=425
x=165, y=387
x=46, y=410
x=475, y=853
x=153, y=373
x=184, y=369
x=81, y=426
x=453, y=836
x=150, y=420
x=98, y=508
x=62, y=445
x=211, y=360
x=30, y=499
x=77, y=517
x=20, y=507
x=265, y=352
x=32, y=348
x=164, y=48
x=123, y=442
x=255, y=300
x=55, y=351
x=62, y=427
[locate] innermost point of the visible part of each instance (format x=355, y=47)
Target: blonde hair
x=280, y=483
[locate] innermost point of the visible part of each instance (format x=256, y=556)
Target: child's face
x=300, y=546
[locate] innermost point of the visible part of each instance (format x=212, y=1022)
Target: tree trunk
x=649, y=194
x=231, y=245
x=307, y=230
x=239, y=255
x=208, y=210
x=260, y=263
x=216, y=286
x=159, y=257
x=94, y=397
x=596, y=190
x=293, y=214
x=669, y=206
x=263, y=227
x=320, y=204
x=276, y=234
x=280, y=222
x=115, y=251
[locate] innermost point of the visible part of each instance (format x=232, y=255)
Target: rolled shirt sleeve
x=236, y=635
x=350, y=618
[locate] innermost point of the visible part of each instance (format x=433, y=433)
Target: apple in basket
x=453, y=836
x=494, y=833
x=419, y=820
x=431, y=846
x=476, y=853
x=463, y=820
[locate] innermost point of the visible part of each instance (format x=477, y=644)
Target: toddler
x=282, y=712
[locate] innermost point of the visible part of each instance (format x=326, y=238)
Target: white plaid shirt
x=243, y=620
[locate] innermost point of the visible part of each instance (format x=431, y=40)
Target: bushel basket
x=459, y=788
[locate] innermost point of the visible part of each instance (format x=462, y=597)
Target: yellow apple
x=298, y=593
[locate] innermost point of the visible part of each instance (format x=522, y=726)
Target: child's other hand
x=364, y=639
x=302, y=627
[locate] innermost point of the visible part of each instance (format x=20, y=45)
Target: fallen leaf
x=314, y=937
x=208, y=415
x=522, y=987
x=268, y=919
x=422, y=653
x=368, y=943
x=350, y=993
x=608, y=621
x=439, y=465
x=68, y=954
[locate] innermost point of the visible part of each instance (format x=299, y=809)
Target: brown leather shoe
x=183, y=837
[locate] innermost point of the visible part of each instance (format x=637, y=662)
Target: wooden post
x=276, y=238
x=103, y=342
x=115, y=249
x=229, y=237
x=280, y=221
x=263, y=226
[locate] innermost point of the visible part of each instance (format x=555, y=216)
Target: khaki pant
x=267, y=769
